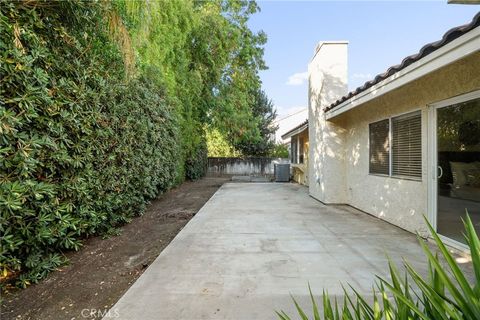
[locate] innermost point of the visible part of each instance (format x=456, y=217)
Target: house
x=407, y=143
x=299, y=152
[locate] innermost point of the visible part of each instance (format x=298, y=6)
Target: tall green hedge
x=82, y=148
x=197, y=162
x=103, y=105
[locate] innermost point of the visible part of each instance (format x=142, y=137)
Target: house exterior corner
x=401, y=183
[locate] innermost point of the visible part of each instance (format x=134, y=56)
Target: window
x=407, y=145
x=396, y=146
x=380, y=147
x=293, y=150
x=300, y=152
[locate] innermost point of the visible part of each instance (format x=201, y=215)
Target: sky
x=380, y=34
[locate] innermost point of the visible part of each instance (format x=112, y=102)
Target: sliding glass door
x=458, y=165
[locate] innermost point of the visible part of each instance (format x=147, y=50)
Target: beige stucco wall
x=300, y=171
x=399, y=201
x=327, y=82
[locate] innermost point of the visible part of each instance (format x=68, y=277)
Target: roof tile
x=427, y=49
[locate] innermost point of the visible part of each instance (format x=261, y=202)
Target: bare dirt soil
x=99, y=274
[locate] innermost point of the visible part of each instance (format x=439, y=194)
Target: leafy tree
x=219, y=146
x=209, y=61
x=279, y=151
x=264, y=114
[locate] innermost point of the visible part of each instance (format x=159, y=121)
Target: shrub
x=279, y=151
x=196, y=163
x=445, y=294
x=82, y=148
x=103, y=105
x=218, y=145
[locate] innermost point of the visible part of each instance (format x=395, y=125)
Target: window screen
x=407, y=145
x=379, y=147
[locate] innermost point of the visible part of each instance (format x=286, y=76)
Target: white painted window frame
x=390, y=153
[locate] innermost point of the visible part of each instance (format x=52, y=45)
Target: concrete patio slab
x=254, y=244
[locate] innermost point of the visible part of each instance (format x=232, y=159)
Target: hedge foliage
x=81, y=148
x=103, y=105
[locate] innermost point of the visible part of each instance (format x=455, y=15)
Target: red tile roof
x=448, y=37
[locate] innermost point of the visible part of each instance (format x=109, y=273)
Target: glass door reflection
x=458, y=154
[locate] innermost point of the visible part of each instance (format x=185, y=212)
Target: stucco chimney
x=327, y=78
x=328, y=72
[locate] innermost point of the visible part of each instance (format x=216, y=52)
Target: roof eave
x=454, y=50
x=295, y=131
x=449, y=53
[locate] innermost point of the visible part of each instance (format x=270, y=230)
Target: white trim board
x=449, y=53
x=296, y=131
x=322, y=43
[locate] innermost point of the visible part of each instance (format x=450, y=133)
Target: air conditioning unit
x=282, y=172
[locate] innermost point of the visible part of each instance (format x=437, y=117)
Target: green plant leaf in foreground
x=445, y=294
